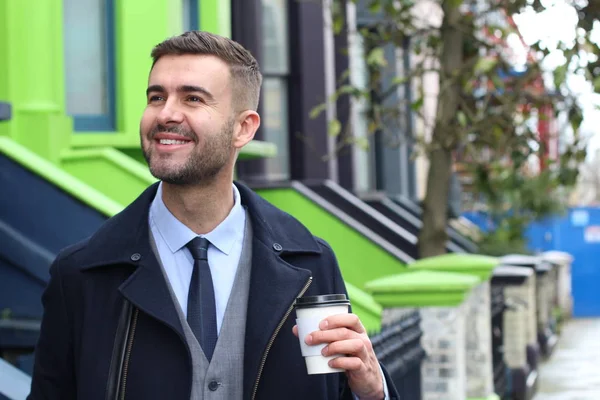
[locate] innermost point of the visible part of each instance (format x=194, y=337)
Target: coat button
x=213, y=386
x=277, y=247
x=136, y=257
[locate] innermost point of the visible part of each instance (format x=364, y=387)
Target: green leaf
x=376, y=57
x=597, y=84
x=462, y=119
x=560, y=75
x=362, y=143
x=416, y=105
x=485, y=65
x=375, y=6
x=316, y=111
x=335, y=127
x=338, y=25
x=575, y=117
x=399, y=80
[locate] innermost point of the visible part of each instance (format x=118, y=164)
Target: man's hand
x=345, y=334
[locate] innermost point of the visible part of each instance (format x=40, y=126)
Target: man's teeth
x=172, y=141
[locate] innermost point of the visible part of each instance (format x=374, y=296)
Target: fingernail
x=325, y=350
x=308, y=339
x=323, y=324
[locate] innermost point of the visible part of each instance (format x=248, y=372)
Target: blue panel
x=36, y=220
x=577, y=233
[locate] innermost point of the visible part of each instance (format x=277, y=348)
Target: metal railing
x=398, y=347
x=498, y=362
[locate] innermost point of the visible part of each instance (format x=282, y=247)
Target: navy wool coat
x=82, y=340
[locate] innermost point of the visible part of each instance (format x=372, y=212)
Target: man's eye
x=195, y=99
x=156, y=98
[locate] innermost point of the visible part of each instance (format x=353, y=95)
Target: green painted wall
x=360, y=259
x=31, y=75
x=32, y=80
x=215, y=16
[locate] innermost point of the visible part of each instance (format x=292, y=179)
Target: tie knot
x=198, y=246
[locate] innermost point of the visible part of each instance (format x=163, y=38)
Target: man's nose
x=170, y=114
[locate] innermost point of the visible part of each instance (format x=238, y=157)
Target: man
x=134, y=312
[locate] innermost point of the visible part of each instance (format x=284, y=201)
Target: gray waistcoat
x=225, y=373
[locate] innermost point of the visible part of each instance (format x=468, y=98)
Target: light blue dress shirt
x=224, y=252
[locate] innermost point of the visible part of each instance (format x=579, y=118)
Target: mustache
x=177, y=129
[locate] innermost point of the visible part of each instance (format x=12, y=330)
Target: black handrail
x=398, y=347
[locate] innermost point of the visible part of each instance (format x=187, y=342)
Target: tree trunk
x=432, y=238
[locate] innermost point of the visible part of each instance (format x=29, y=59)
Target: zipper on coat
x=270, y=343
x=128, y=352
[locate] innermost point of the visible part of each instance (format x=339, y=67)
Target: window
x=364, y=157
x=89, y=64
x=275, y=68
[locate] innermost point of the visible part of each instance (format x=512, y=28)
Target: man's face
x=187, y=127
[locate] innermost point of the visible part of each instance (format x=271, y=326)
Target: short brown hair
x=246, y=78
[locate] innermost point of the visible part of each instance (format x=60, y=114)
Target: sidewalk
x=573, y=371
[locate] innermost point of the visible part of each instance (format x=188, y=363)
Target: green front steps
x=123, y=175
x=109, y=171
x=366, y=308
x=360, y=259
x=472, y=264
x=422, y=289
x=61, y=179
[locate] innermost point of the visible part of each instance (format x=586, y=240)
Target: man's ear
x=246, y=127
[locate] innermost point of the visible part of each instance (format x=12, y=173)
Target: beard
x=203, y=163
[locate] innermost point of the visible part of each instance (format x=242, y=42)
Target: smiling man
x=188, y=293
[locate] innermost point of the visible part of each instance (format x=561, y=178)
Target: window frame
x=284, y=77
x=103, y=122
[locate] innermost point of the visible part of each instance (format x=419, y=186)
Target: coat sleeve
x=340, y=287
x=53, y=370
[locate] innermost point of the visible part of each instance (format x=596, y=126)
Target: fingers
x=347, y=363
x=295, y=330
x=350, y=321
x=354, y=347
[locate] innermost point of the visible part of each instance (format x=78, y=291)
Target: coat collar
x=124, y=239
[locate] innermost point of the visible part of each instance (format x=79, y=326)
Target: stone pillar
x=480, y=377
x=444, y=375
x=443, y=301
x=478, y=317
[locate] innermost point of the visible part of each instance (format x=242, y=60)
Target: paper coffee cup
x=310, y=311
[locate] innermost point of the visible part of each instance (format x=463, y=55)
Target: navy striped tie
x=201, y=310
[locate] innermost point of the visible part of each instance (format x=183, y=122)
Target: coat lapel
x=147, y=289
x=274, y=285
x=125, y=239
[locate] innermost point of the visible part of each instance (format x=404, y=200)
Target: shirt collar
x=177, y=235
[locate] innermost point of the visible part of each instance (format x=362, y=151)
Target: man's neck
x=200, y=208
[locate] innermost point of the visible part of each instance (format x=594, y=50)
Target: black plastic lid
x=323, y=300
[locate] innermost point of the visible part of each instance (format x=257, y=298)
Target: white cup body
x=308, y=320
